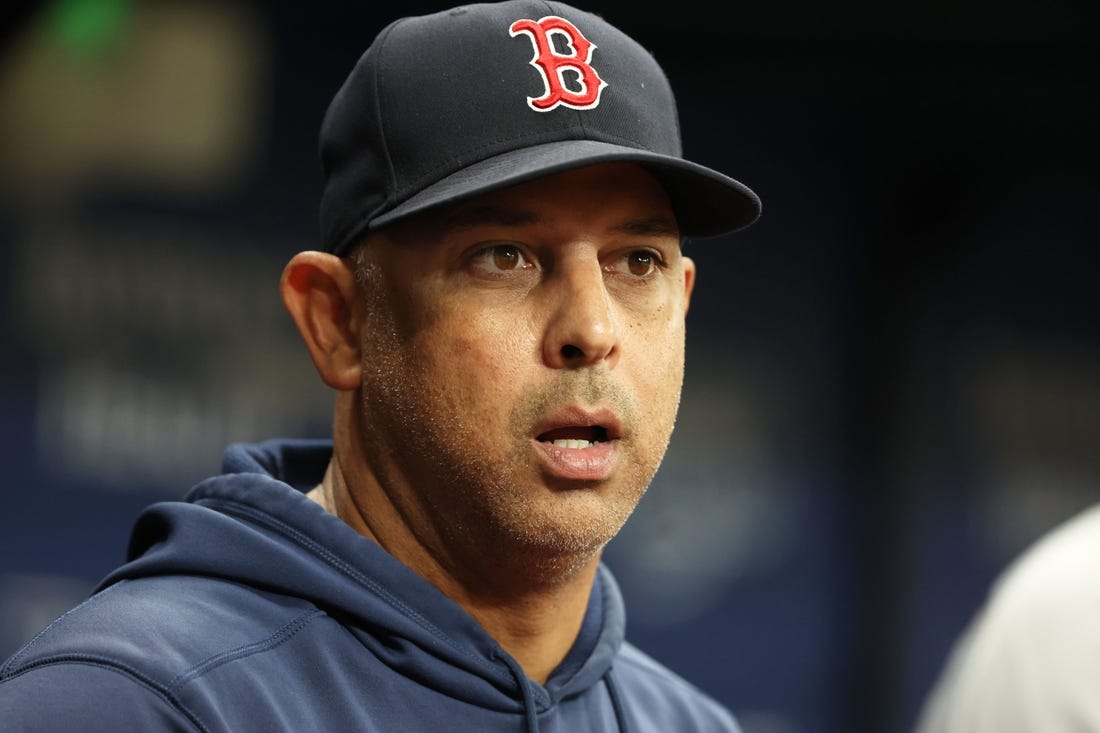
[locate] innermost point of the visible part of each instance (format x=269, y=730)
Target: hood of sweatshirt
x=253, y=525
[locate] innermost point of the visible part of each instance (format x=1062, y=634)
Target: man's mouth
x=575, y=436
x=576, y=444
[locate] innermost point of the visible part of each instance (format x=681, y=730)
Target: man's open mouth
x=576, y=436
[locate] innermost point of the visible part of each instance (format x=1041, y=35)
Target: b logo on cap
x=552, y=65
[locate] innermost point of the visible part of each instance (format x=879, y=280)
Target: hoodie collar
x=254, y=525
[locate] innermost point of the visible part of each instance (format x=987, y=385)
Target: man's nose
x=583, y=328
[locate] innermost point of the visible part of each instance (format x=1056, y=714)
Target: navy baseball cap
x=450, y=105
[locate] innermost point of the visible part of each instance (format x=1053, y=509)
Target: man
x=501, y=311
x=1029, y=659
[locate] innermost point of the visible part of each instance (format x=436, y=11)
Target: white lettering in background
x=156, y=351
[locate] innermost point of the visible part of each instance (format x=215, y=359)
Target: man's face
x=522, y=364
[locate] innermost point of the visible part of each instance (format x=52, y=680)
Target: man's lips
x=576, y=424
x=578, y=444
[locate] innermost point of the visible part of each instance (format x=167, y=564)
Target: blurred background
x=893, y=380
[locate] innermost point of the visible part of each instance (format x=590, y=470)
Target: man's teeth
x=572, y=443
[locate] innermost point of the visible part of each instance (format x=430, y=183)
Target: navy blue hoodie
x=247, y=607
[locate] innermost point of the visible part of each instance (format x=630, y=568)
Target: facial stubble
x=462, y=498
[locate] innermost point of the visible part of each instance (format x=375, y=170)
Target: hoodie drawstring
x=529, y=710
x=616, y=700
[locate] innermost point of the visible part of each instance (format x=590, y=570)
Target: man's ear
x=318, y=290
x=689, y=281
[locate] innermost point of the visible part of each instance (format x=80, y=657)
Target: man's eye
x=641, y=263
x=501, y=258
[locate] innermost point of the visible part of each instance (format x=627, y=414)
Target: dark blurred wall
x=893, y=377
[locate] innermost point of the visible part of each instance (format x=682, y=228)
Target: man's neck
x=535, y=622
x=539, y=627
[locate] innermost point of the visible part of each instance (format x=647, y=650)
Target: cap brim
x=706, y=203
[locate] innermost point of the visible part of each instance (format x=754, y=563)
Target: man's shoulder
x=161, y=629
x=669, y=701
x=1030, y=655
